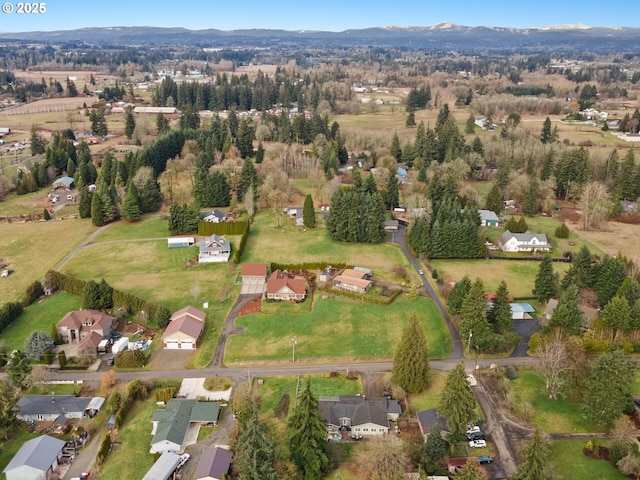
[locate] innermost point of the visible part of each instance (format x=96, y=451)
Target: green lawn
x=273, y=388
x=290, y=244
x=336, y=328
x=132, y=459
x=148, y=227
x=287, y=308
x=16, y=437
x=29, y=204
x=431, y=396
x=32, y=248
x=39, y=316
x=568, y=462
x=519, y=275
x=563, y=415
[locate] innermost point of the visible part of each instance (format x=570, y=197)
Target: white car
x=478, y=443
x=184, y=458
x=472, y=429
x=5, y=273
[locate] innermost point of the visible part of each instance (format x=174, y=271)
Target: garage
x=188, y=344
x=171, y=344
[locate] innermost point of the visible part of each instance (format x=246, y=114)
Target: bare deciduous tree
x=383, y=459
x=593, y=203
x=38, y=378
x=553, y=365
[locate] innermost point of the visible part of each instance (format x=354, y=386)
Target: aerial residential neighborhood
x=381, y=253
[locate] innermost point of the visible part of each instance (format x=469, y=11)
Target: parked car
x=471, y=429
x=110, y=361
x=475, y=436
x=184, y=458
x=485, y=459
x=420, y=272
x=478, y=444
x=5, y=273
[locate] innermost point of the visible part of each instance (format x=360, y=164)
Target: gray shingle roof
x=214, y=463
x=50, y=404
x=174, y=420
x=359, y=409
x=38, y=453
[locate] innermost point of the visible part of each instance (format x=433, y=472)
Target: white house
x=523, y=242
x=37, y=459
x=214, y=249
x=216, y=216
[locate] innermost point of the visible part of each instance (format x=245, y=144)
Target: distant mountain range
x=441, y=37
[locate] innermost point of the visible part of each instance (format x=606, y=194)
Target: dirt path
x=229, y=328
x=495, y=427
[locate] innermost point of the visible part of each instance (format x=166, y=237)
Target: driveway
x=194, y=388
x=524, y=328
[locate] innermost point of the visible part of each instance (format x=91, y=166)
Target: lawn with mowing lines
x=338, y=329
x=33, y=248
x=39, y=316
x=563, y=415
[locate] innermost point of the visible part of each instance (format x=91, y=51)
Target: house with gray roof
x=214, y=249
x=523, y=242
x=177, y=425
x=214, y=464
x=216, y=216
x=428, y=418
x=362, y=415
x=488, y=218
x=37, y=459
x=57, y=408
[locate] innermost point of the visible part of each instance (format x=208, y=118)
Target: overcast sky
x=330, y=15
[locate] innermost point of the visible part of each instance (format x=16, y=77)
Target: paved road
x=229, y=328
x=456, y=344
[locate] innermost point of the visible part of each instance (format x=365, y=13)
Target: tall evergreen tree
x=567, y=316
x=309, y=439
x=500, y=316
x=97, y=211
x=220, y=190
x=394, y=149
x=255, y=452
x=308, y=212
x=493, y=201
x=547, y=166
x=434, y=448
x=411, y=360
x=609, y=275
x=615, y=318
x=546, y=135
x=471, y=471
x=131, y=204
x=84, y=205
x=580, y=272
x=391, y=194
x=457, y=294
x=608, y=388
x=457, y=401
x=248, y=176
x=546, y=282
x=129, y=123
x=259, y=153
x=473, y=314
x=536, y=465
x=530, y=206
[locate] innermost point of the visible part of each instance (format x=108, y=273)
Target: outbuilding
x=164, y=467
x=37, y=459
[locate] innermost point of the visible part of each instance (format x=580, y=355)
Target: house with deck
x=359, y=414
x=281, y=286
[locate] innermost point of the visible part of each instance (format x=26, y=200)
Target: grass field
x=39, y=316
x=431, y=396
x=29, y=204
x=148, y=227
x=289, y=244
x=563, y=415
x=31, y=249
x=568, y=462
x=132, y=459
x=357, y=331
x=273, y=388
x=16, y=436
x=519, y=275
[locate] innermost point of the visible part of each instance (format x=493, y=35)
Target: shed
x=37, y=459
x=164, y=467
x=214, y=464
x=488, y=218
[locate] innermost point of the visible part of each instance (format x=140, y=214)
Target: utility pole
x=469, y=342
x=294, y=349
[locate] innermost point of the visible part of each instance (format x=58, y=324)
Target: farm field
x=290, y=244
x=616, y=238
x=28, y=204
x=32, y=248
x=519, y=275
x=357, y=331
x=151, y=226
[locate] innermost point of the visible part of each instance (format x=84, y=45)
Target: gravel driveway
x=194, y=388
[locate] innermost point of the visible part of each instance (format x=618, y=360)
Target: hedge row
x=104, y=448
x=206, y=229
x=321, y=265
x=243, y=241
x=365, y=298
x=75, y=286
x=8, y=313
